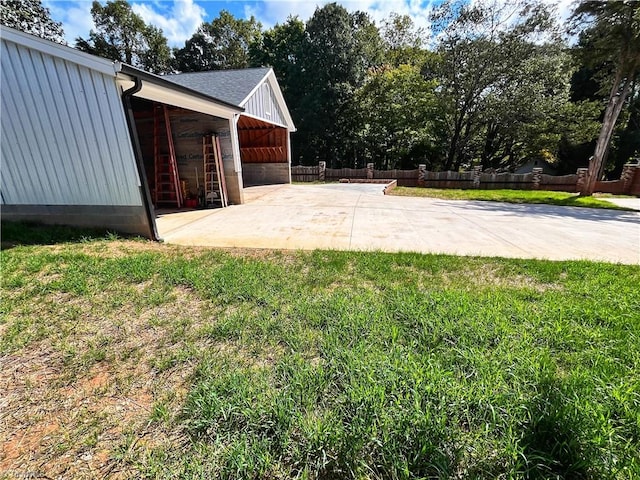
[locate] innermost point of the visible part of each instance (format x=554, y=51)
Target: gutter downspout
x=137, y=152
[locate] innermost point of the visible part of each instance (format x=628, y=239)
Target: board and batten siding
x=263, y=104
x=64, y=134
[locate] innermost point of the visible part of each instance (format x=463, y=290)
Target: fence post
x=422, y=173
x=369, y=171
x=628, y=171
x=477, y=171
x=582, y=178
x=536, y=178
x=322, y=168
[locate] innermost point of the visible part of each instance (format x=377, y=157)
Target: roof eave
x=167, y=84
x=271, y=77
x=64, y=52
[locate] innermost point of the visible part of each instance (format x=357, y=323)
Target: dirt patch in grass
x=69, y=412
x=478, y=277
x=488, y=277
x=109, y=249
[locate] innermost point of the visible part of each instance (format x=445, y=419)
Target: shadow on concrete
x=553, y=211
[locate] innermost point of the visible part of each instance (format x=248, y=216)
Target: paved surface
x=360, y=217
x=625, y=202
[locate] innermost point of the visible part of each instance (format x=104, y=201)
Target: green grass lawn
x=509, y=196
x=133, y=359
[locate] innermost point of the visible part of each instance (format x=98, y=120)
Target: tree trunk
x=488, y=150
x=453, y=146
x=614, y=107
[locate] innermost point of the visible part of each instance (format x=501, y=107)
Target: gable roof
x=232, y=86
x=236, y=87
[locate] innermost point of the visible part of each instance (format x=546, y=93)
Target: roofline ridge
x=221, y=70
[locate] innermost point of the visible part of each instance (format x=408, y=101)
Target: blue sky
x=180, y=18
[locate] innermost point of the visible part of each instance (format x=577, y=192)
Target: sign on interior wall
x=188, y=130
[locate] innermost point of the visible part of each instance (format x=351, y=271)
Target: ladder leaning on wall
x=167, y=182
x=215, y=189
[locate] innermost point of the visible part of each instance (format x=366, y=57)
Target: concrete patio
x=360, y=217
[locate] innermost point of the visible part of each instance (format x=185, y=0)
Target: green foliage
x=31, y=17
x=404, y=42
x=609, y=34
x=609, y=45
x=283, y=48
x=224, y=43
x=356, y=365
x=504, y=92
x=341, y=47
x=121, y=34
x=393, y=135
x=24, y=233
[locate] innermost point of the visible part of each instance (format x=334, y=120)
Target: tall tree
x=525, y=114
x=342, y=47
x=613, y=38
x=482, y=49
x=221, y=44
x=31, y=17
x=403, y=40
x=398, y=118
x=283, y=47
x=122, y=35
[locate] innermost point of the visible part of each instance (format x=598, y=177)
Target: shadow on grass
x=14, y=234
x=549, y=441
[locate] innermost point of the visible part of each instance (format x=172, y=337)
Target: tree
x=123, y=35
x=342, y=47
x=283, y=48
x=399, y=122
x=613, y=38
x=527, y=112
x=403, y=41
x=483, y=50
x=222, y=44
x=30, y=16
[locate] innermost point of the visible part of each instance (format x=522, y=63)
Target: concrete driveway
x=360, y=217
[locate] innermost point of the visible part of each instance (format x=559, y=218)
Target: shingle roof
x=232, y=86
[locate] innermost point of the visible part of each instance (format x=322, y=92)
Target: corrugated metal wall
x=64, y=134
x=263, y=104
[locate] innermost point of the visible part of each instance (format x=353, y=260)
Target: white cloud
x=75, y=17
x=270, y=12
x=178, y=22
x=418, y=10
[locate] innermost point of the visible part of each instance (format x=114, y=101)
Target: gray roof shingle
x=232, y=86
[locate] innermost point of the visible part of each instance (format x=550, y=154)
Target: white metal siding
x=263, y=104
x=64, y=134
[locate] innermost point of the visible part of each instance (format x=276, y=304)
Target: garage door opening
x=264, y=151
x=183, y=154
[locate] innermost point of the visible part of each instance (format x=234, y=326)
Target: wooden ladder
x=167, y=186
x=215, y=188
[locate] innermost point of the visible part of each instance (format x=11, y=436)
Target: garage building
x=90, y=142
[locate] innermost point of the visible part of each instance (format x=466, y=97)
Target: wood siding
x=261, y=142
